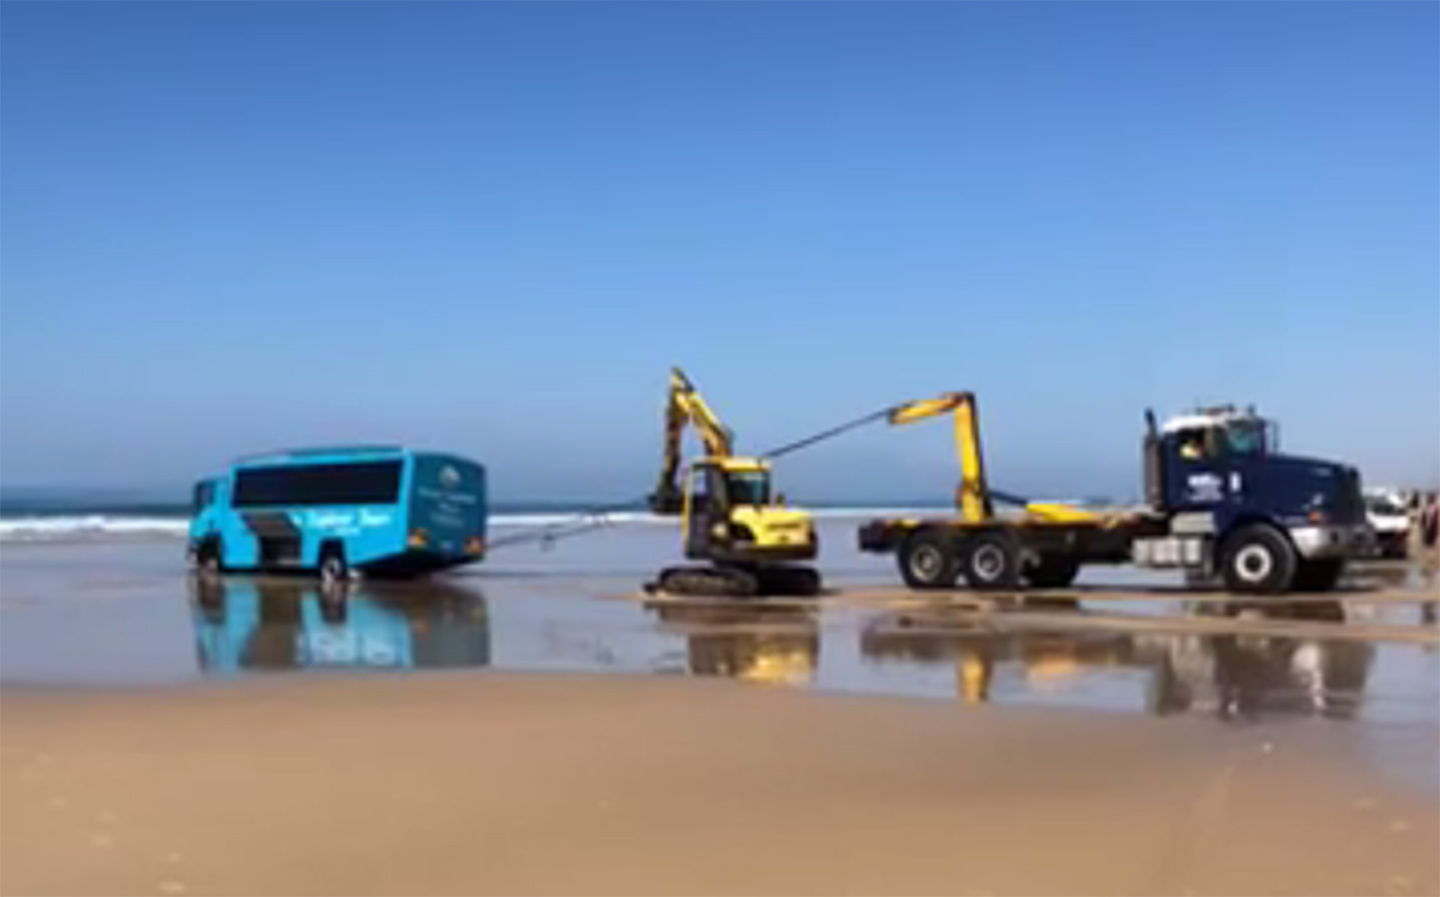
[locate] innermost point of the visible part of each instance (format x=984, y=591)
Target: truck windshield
x=750, y=487
x=1245, y=437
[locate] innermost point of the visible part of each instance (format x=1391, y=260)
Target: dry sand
x=489, y=783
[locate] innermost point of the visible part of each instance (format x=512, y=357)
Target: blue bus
x=383, y=511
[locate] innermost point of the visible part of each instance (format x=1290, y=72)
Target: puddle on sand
x=241, y=626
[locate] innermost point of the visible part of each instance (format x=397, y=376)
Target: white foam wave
x=84, y=527
x=88, y=526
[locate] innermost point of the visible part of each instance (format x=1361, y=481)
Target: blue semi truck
x=1222, y=501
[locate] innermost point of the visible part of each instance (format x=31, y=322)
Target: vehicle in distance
x=1391, y=522
x=383, y=511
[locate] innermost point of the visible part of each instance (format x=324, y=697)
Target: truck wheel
x=1318, y=575
x=1052, y=571
x=992, y=561
x=926, y=561
x=1259, y=560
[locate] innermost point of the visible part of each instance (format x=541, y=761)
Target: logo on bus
x=449, y=477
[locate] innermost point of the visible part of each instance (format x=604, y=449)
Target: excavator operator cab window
x=748, y=487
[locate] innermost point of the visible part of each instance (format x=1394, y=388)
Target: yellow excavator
x=750, y=543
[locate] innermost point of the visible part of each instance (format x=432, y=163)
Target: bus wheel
x=207, y=560
x=1259, y=560
x=991, y=562
x=333, y=571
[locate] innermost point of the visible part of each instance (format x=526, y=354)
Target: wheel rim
x=988, y=562
x=926, y=563
x=1253, y=563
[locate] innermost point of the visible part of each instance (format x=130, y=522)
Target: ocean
x=98, y=516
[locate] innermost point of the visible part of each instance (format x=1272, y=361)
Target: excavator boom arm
x=685, y=406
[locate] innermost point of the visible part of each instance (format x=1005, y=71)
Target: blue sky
x=492, y=227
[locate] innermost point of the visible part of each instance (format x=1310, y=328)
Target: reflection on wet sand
x=1232, y=676
x=776, y=645
x=279, y=624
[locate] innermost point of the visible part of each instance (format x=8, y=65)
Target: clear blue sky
x=492, y=227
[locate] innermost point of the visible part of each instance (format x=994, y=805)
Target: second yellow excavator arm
x=972, y=496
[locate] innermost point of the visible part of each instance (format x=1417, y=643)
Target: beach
x=536, y=725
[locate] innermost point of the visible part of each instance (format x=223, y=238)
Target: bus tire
x=208, y=559
x=926, y=561
x=1258, y=560
x=333, y=569
x=991, y=561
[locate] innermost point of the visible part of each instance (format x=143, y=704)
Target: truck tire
x=1318, y=575
x=1052, y=571
x=1258, y=560
x=927, y=561
x=991, y=562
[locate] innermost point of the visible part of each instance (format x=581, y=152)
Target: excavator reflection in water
x=765, y=644
x=1231, y=676
x=267, y=623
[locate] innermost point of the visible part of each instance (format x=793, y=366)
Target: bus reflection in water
x=771, y=645
x=1230, y=676
x=265, y=623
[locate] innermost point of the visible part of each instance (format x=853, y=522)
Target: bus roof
x=334, y=452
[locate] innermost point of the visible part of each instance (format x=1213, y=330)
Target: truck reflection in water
x=1231, y=676
x=277, y=624
x=772, y=645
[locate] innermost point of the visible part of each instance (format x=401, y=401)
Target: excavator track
x=736, y=582
x=722, y=582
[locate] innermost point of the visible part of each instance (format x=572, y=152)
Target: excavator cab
x=728, y=515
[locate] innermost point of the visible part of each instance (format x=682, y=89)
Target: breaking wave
x=83, y=527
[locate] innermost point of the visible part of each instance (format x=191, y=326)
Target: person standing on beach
x=1430, y=524
x=1429, y=554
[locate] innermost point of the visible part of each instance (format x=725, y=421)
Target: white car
x=1390, y=521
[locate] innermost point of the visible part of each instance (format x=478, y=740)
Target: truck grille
x=1349, y=503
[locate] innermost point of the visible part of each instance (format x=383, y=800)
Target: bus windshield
x=202, y=495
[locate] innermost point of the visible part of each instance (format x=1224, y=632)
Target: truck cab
x=1236, y=506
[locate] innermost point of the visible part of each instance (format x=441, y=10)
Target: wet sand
x=468, y=782
x=163, y=738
